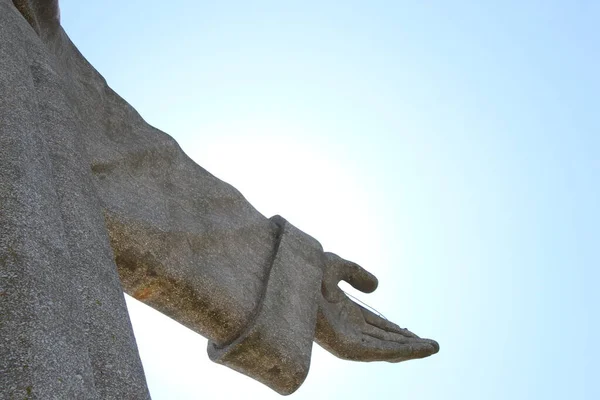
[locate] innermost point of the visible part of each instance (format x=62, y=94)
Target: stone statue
x=94, y=202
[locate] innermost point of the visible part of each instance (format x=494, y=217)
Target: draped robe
x=94, y=202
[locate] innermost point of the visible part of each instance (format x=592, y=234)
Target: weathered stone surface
x=94, y=201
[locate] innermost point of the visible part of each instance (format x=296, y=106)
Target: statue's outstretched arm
x=192, y=247
x=77, y=155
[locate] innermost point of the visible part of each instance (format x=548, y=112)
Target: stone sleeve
x=275, y=348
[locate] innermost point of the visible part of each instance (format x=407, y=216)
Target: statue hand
x=352, y=332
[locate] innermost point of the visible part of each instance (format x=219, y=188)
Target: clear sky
x=450, y=147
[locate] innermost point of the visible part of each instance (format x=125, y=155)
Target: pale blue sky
x=452, y=148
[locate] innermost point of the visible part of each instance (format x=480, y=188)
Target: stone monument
x=94, y=202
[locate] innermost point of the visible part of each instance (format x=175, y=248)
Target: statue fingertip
x=435, y=345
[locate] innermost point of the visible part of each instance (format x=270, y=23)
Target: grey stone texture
x=94, y=202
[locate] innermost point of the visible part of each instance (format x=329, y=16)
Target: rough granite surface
x=94, y=202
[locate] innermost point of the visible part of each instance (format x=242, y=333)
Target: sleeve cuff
x=276, y=347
